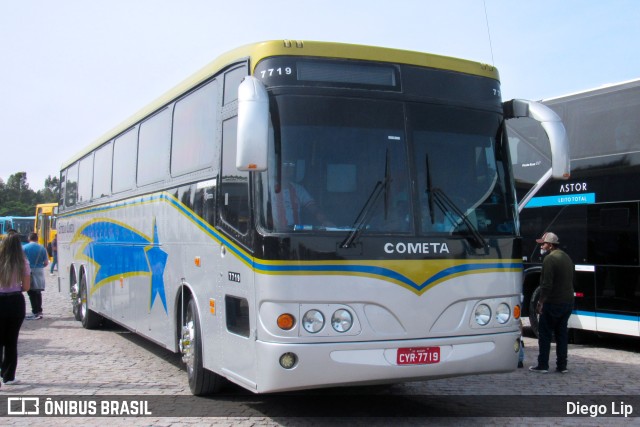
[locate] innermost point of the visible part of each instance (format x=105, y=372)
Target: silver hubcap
x=83, y=300
x=187, y=342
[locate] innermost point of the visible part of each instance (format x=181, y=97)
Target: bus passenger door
x=237, y=281
x=614, y=249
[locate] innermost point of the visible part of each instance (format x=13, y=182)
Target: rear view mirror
x=253, y=125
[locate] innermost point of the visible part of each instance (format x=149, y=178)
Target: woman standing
x=14, y=279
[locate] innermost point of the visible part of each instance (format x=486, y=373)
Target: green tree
x=16, y=198
x=50, y=192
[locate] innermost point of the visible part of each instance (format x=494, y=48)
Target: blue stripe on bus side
x=625, y=317
x=270, y=268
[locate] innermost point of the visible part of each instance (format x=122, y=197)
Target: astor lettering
x=573, y=187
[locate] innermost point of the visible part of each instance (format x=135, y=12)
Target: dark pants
x=11, y=316
x=553, y=320
x=35, y=297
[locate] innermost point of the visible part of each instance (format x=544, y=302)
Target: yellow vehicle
x=45, y=222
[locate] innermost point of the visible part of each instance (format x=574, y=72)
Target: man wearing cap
x=555, y=304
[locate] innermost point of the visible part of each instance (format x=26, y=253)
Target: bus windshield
x=341, y=164
x=23, y=225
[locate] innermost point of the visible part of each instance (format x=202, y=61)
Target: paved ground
x=59, y=358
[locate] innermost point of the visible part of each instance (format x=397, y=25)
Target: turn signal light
x=286, y=321
x=516, y=312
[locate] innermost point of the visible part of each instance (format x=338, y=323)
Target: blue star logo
x=119, y=251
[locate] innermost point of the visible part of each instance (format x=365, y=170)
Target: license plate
x=418, y=355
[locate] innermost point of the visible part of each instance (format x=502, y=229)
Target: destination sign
x=293, y=70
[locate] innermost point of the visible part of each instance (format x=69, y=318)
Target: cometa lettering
x=416, y=248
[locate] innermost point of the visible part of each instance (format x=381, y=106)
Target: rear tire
x=89, y=319
x=201, y=380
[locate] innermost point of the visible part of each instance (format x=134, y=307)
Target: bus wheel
x=76, y=301
x=534, y=317
x=201, y=381
x=89, y=319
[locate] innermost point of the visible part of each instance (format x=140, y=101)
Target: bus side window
x=234, y=185
x=205, y=202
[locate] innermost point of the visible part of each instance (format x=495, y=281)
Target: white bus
x=308, y=214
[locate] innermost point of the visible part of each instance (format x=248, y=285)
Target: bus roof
x=258, y=51
x=605, y=88
x=47, y=205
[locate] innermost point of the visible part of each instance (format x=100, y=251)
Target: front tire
x=201, y=380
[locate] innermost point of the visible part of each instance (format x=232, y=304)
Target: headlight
x=483, y=314
x=341, y=320
x=503, y=313
x=313, y=321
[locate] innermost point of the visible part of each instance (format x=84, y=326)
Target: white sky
x=70, y=70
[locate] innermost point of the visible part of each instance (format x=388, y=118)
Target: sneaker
x=562, y=371
x=520, y=365
x=538, y=370
x=12, y=382
x=36, y=316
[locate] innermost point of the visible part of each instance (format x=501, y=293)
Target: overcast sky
x=70, y=70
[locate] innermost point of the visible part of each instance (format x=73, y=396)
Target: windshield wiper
x=443, y=201
x=429, y=190
x=367, y=209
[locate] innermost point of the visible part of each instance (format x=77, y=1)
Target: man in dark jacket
x=555, y=304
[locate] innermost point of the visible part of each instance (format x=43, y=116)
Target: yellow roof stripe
x=258, y=51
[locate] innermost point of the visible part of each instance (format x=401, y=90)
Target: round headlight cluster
x=313, y=321
x=503, y=313
x=485, y=311
x=483, y=314
x=341, y=320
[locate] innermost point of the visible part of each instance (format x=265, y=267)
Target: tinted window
x=102, y=171
x=153, y=148
x=235, y=184
x=232, y=80
x=85, y=179
x=613, y=234
x=194, y=131
x=604, y=124
x=63, y=187
x=124, y=161
x=336, y=156
x=72, y=185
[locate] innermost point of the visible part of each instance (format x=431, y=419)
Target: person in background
x=54, y=254
x=14, y=279
x=555, y=304
x=38, y=260
x=292, y=200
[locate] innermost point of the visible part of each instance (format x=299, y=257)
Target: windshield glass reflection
x=343, y=166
